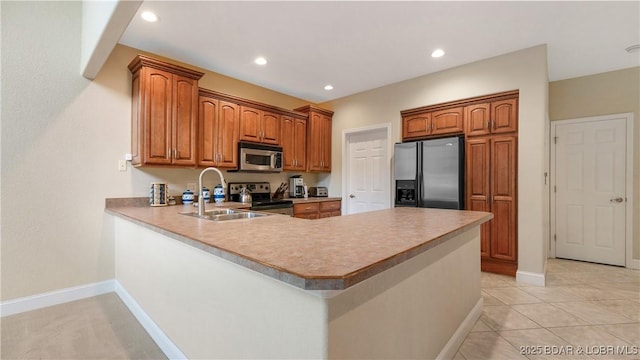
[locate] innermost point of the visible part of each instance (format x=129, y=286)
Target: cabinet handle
x=433, y=126
x=494, y=124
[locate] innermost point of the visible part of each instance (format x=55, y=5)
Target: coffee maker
x=296, y=187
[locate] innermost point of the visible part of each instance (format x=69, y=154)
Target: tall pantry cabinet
x=491, y=178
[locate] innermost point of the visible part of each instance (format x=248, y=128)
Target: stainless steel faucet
x=200, y=197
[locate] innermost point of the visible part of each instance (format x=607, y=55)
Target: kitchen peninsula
x=396, y=283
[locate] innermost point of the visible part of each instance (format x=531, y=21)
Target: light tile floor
x=586, y=311
x=583, y=304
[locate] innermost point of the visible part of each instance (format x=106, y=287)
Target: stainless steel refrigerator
x=430, y=173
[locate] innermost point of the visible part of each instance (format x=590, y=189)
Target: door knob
x=351, y=196
x=618, y=200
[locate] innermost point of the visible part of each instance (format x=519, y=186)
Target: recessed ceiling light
x=149, y=16
x=328, y=87
x=260, y=61
x=437, y=53
x=632, y=48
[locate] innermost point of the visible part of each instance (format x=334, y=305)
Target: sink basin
x=227, y=214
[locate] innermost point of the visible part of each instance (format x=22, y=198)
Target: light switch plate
x=122, y=165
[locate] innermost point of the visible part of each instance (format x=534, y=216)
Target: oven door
x=275, y=208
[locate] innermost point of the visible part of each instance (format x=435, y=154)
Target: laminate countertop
x=325, y=254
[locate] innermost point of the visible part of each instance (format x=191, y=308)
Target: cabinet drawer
x=305, y=208
x=330, y=205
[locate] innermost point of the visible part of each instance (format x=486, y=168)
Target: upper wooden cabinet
x=294, y=143
x=318, y=138
x=259, y=126
x=218, y=132
x=416, y=126
x=164, y=113
x=419, y=124
x=495, y=117
x=482, y=115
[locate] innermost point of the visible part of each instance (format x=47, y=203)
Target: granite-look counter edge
x=326, y=254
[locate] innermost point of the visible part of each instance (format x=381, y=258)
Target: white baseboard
x=164, y=342
x=530, y=278
x=57, y=297
x=451, y=348
x=634, y=264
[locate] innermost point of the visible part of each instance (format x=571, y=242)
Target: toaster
x=318, y=191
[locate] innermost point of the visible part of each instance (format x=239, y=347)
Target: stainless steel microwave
x=259, y=158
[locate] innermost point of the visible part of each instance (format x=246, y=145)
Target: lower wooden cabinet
x=317, y=210
x=330, y=208
x=306, y=210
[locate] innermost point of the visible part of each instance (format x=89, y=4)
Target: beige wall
x=602, y=94
x=525, y=70
x=62, y=137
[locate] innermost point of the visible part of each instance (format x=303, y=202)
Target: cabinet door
x=300, y=144
x=157, y=116
x=288, y=143
x=477, y=175
x=315, y=142
x=416, y=126
x=185, y=117
x=306, y=211
x=330, y=208
x=503, y=197
x=326, y=143
x=477, y=119
x=270, y=127
x=447, y=121
x=228, y=134
x=207, y=131
x=504, y=116
x=250, y=129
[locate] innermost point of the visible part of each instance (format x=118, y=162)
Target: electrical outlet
x=191, y=186
x=122, y=165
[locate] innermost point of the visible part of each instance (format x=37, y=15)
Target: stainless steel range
x=261, y=197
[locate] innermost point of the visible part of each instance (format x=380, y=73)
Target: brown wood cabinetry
x=496, y=117
x=294, y=143
x=174, y=123
x=306, y=210
x=218, y=132
x=490, y=126
x=330, y=208
x=421, y=124
x=319, y=129
x=164, y=113
x=491, y=168
x=317, y=210
x=259, y=126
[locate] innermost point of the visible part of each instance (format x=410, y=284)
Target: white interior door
x=590, y=174
x=368, y=172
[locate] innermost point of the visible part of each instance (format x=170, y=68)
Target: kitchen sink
x=227, y=214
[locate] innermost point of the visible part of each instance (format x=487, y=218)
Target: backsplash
x=178, y=179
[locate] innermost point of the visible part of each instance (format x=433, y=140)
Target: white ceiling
x=357, y=46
